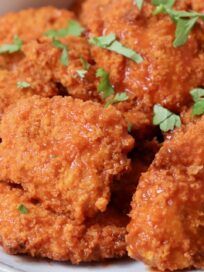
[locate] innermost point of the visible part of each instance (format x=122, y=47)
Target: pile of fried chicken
x=101, y=127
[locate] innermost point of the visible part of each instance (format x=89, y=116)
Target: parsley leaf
x=81, y=73
x=139, y=3
x=183, y=28
x=198, y=97
x=104, y=86
x=73, y=29
x=130, y=127
x=64, y=59
x=166, y=3
x=110, y=43
x=22, y=209
x=107, y=89
x=127, y=52
x=197, y=94
x=85, y=63
x=23, y=84
x=165, y=119
x=103, y=41
x=12, y=48
x=119, y=97
x=184, y=20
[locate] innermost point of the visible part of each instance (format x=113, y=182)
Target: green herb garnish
x=81, y=73
x=139, y=3
x=109, y=42
x=184, y=20
x=12, y=48
x=22, y=209
x=107, y=89
x=64, y=59
x=165, y=119
x=23, y=84
x=104, y=86
x=130, y=127
x=73, y=29
x=198, y=97
x=119, y=97
x=85, y=65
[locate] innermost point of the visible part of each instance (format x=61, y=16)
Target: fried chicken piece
x=42, y=66
x=64, y=152
x=167, y=218
x=124, y=188
x=10, y=92
x=47, y=76
x=166, y=75
x=46, y=234
x=31, y=24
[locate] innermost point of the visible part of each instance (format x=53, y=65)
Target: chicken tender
x=39, y=232
x=64, y=152
x=166, y=75
x=167, y=218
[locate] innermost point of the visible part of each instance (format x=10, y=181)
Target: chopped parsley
x=130, y=127
x=139, y=3
x=73, y=29
x=107, y=89
x=183, y=29
x=85, y=65
x=104, y=86
x=184, y=20
x=64, y=59
x=23, y=84
x=81, y=73
x=198, y=98
x=22, y=209
x=119, y=97
x=110, y=42
x=165, y=119
x=12, y=48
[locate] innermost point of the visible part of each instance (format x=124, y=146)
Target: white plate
x=24, y=264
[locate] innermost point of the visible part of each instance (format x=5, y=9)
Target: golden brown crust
x=31, y=23
x=167, y=218
x=41, y=233
x=167, y=74
x=64, y=152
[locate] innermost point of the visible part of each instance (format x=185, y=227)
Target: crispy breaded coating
x=42, y=67
x=166, y=75
x=46, y=234
x=10, y=92
x=30, y=24
x=64, y=152
x=167, y=218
